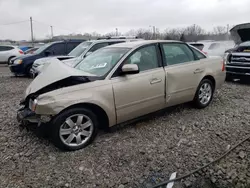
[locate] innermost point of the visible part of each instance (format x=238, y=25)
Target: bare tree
x=173, y=34
x=145, y=34
x=220, y=30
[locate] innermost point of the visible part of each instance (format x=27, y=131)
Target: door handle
x=155, y=80
x=198, y=71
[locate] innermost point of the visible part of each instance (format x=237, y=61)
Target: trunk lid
x=241, y=33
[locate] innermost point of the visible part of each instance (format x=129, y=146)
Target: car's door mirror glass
x=130, y=69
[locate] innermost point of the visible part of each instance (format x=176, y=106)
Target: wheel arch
x=211, y=78
x=100, y=112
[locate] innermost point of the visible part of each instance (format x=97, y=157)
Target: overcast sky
x=104, y=16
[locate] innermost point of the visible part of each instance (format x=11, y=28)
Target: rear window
x=199, y=46
x=214, y=46
x=198, y=54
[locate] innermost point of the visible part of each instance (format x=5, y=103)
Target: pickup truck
x=116, y=84
x=238, y=58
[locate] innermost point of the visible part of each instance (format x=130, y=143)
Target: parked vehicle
x=77, y=54
x=116, y=84
x=25, y=48
x=22, y=65
x=238, y=58
x=213, y=48
x=31, y=50
x=8, y=52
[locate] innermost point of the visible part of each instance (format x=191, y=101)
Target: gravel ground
x=179, y=140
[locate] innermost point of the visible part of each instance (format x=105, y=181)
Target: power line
x=53, y=26
x=14, y=23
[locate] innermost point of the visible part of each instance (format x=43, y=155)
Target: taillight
x=20, y=51
x=223, y=65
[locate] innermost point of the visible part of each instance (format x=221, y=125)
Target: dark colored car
x=22, y=65
x=238, y=58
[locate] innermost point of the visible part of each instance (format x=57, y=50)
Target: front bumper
x=238, y=71
x=16, y=69
x=25, y=115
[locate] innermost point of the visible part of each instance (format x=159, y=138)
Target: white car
x=77, y=54
x=8, y=52
x=213, y=48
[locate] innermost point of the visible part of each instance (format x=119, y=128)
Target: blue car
x=23, y=64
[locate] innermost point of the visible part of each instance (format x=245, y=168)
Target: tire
x=10, y=59
x=207, y=95
x=27, y=71
x=229, y=78
x=64, y=135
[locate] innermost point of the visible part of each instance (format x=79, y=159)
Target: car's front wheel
x=204, y=94
x=74, y=129
x=9, y=60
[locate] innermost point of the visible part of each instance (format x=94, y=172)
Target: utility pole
x=51, y=28
x=31, y=29
x=116, y=31
x=227, y=31
x=154, y=32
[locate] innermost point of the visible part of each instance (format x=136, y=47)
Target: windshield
x=77, y=51
x=102, y=61
x=42, y=48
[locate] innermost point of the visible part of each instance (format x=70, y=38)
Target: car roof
x=9, y=45
x=136, y=44
x=112, y=40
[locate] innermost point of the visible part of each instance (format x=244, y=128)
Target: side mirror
x=130, y=69
x=47, y=53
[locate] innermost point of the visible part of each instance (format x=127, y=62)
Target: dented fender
x=99, y=93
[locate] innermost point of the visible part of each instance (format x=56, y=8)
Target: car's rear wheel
x=204, y=94
x=74, y=129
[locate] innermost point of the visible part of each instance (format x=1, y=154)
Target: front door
x=142, y=93
x=183, y=73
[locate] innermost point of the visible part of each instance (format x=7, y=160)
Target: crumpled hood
x=54, y=72
x=241, y=33
x=48, y=59
x=72, y=62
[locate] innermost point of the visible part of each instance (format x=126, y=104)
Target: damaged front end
x=56, y=76
x=26, y=113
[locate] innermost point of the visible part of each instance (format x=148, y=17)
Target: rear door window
x=6, y=48
x=198, y=54
x=176, y=53
x=57, y=49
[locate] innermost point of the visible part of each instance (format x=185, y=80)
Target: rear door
x=142, y=93
x=184, y=72
x=2, y=54
x=5, y=53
